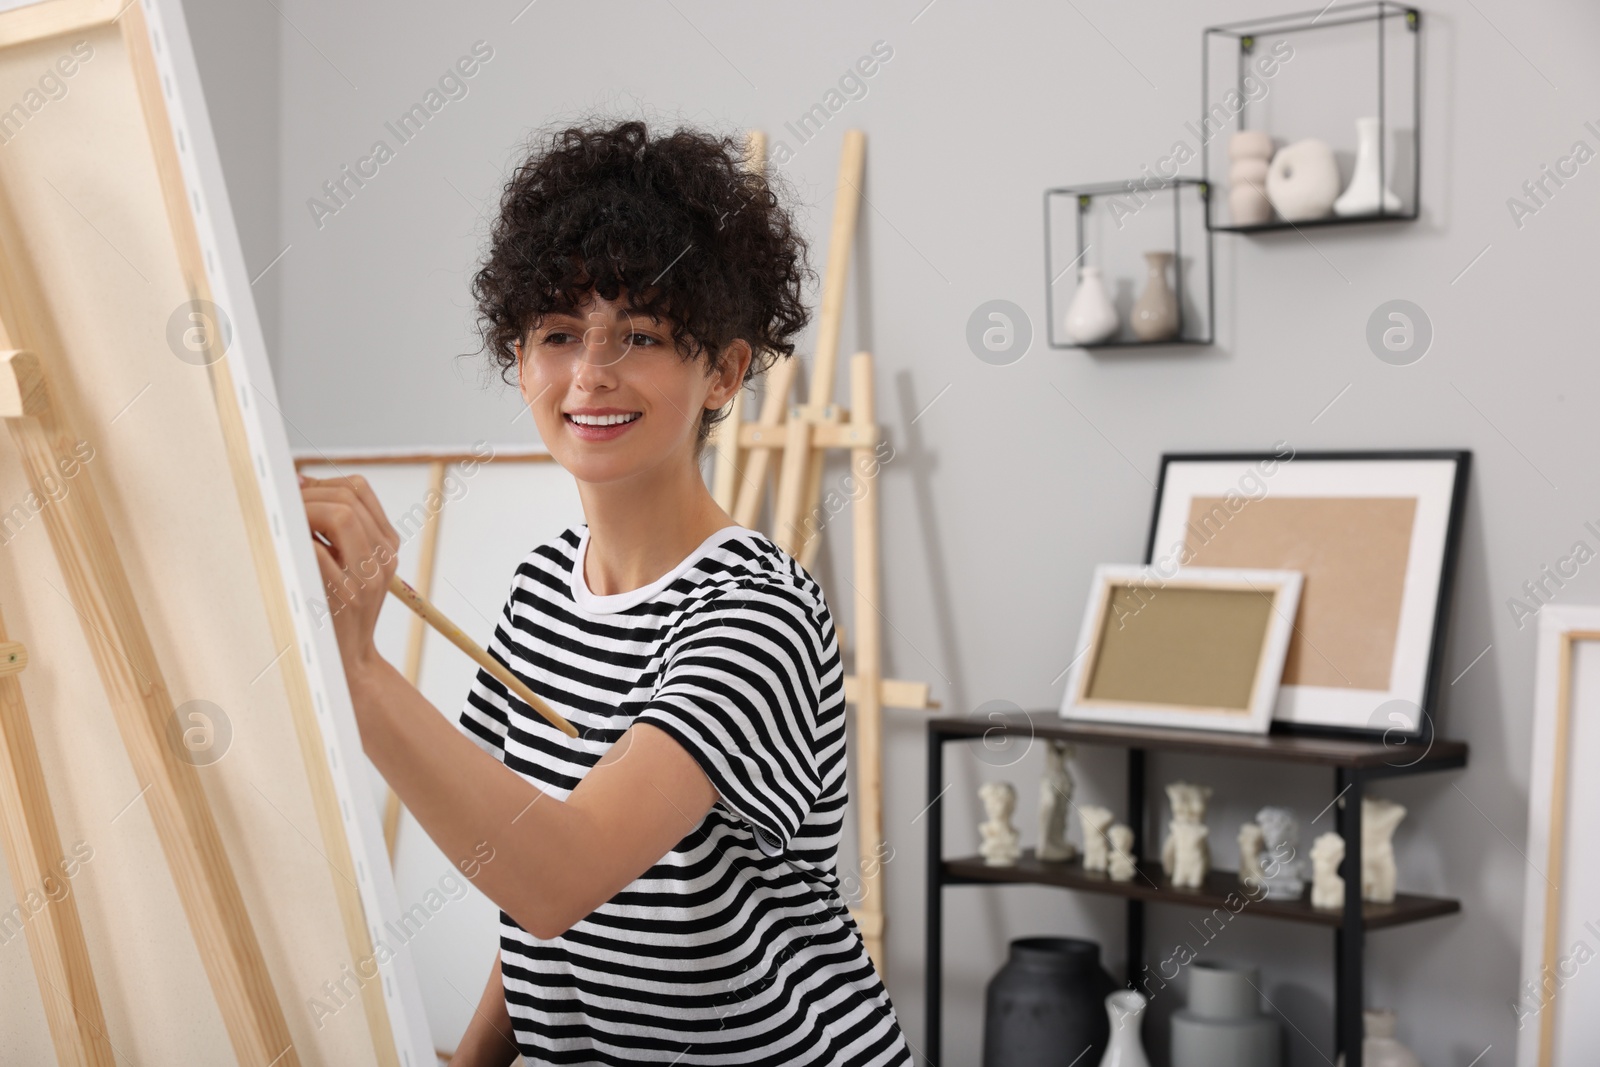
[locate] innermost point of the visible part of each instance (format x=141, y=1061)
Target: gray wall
x=1003, y=496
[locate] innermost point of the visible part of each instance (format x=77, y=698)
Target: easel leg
x=40, y=868
x=868, y=664
x=429, y=549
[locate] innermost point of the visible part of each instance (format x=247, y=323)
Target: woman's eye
x=645, y=338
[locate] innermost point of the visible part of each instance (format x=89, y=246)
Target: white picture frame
x=1435, y=480
x=1267, y=651
x=1557, y=1002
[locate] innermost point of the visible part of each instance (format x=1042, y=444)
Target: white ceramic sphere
x=1303, y=180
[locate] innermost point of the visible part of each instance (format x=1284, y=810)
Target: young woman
x=666, y=880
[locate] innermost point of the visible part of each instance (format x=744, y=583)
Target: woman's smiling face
x=611, y=395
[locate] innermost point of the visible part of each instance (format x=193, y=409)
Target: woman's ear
x=730, y=375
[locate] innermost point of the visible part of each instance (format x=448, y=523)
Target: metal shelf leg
x=1348, y=979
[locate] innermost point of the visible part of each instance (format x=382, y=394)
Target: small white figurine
x=1096, y=821
x=1282, y=866
x=1189, y=866
x=1378, y=821
x=1250, y=845
x=1055, y=800
x=999, y=846
x=1120, y=867
x=1327, y=888
x=1188, y=808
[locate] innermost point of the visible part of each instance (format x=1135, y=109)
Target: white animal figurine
x=1282, y=866
x=1189, y=867
x=1188, y=807
x=1378, y=821
x=1096, y=821
x=1327, y=888
x=1120, y=867
x=1250, y=845
x=1055, y=800
x=999, y=837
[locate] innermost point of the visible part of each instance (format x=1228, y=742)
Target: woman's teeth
x=603, y=420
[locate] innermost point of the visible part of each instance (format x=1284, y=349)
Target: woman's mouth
x=601, y=427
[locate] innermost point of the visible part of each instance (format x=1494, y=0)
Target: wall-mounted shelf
x=1113, y=224
x=1353, y=761
x=1344, y=62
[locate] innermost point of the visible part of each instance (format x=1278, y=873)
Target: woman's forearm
x=525, y=850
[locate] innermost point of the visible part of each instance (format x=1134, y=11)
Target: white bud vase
x=1361, y=196
x=1381, y=1048
x=1126, y=1010
x=1091, y=317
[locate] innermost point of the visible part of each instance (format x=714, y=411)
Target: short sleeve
x=485, y=716
x=740, y=690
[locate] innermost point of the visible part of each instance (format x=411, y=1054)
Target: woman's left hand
x=356, y=569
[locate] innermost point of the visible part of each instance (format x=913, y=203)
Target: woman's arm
x=488, y=1041
x=547, y=863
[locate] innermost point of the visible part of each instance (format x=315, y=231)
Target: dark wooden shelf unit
x=1353, y=762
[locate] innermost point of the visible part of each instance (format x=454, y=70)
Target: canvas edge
x=271, y=461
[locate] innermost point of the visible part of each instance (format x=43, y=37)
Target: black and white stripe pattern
x=737, y=947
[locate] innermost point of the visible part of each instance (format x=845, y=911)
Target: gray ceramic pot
x=1046, y=1006
x=1223, y=1025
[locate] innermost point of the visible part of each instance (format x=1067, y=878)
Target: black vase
x=1047, y=1005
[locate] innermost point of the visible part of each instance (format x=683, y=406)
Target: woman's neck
x=639, y=529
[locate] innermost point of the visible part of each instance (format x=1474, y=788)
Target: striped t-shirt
x=736, y=947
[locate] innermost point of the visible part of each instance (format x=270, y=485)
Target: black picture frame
x=1450, y=553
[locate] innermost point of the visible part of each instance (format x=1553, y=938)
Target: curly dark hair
x=680, y=222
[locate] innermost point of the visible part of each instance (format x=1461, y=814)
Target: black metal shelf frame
x=1085, y=195
x=1352, y=772
x=1378, y=12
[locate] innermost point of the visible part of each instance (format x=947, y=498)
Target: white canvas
x=1567, y=1001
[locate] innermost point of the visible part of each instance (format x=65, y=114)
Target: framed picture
x=1558, y=1001
x=1200, y=648
x=1374, y=534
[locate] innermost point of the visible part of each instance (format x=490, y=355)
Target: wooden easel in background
x=801, y=435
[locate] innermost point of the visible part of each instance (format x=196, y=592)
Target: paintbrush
x=452, y=633
x=418, y=603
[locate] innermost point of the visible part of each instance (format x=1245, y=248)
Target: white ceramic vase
x=1303, y=180
x=1091, y=317
x=1249, y=154
x=1366, y=189
x=1381, y=1048
x=1126, y=1010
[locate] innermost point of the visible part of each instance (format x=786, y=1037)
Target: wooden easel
x=113, y=626
x=98, y=585
x=801, y=435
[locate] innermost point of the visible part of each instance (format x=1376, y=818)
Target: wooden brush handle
x=435, y=618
